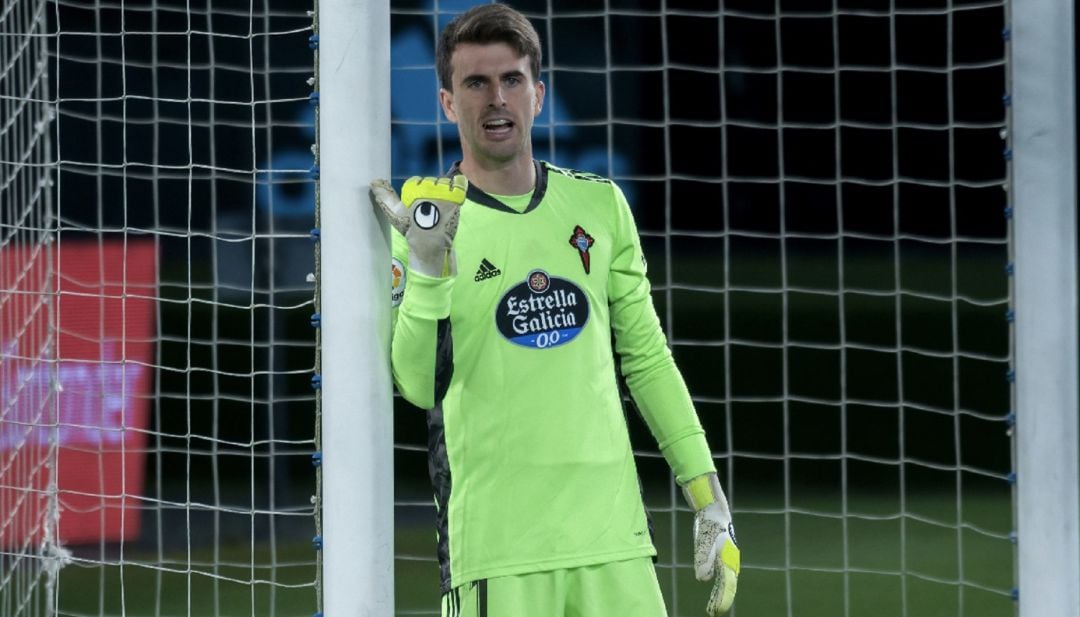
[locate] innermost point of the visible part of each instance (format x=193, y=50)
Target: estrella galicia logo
x=542, y=311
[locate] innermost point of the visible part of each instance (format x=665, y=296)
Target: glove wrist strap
x=441, y=267
x=703, y=491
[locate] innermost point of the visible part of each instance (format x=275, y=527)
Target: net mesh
x=819, y=186
x=820, y=190
x=27, y=335
x=181, y=294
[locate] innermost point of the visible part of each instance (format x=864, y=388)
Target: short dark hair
x=485, y=24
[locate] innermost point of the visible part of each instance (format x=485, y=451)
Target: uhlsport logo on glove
x=542, y=311
x=425, y=214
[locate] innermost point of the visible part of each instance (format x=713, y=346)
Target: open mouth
x=498, y=126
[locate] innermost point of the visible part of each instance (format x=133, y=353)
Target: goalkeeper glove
x=427, y=215
x=715, y=552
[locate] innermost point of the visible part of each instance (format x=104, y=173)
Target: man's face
x=494, y=101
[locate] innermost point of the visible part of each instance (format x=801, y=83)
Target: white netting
x=27, y=337
x=182, y=445
x=819, y=185
x=820, y=188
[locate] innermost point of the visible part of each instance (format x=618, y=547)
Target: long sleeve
x=421, y=351
x=654, y=381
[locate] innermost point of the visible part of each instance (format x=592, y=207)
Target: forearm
x=420, y=346
x=658, y=387
x=668, y=410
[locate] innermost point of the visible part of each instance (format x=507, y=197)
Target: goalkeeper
x=519, y=293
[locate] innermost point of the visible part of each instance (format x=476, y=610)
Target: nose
x=497, y=97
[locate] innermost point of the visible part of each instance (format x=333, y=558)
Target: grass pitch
x=873, y=562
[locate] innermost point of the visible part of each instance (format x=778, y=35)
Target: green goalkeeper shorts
x=614, y=589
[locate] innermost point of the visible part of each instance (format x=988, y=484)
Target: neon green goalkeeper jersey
x=516, y=359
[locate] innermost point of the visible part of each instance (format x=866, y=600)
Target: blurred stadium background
x=820, y=188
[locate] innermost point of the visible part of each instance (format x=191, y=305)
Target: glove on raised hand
x=716, y=555
x=427, y=215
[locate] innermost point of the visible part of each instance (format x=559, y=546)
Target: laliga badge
x=397, y=282
x=582, y=241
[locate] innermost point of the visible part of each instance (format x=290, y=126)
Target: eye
x=426, y=214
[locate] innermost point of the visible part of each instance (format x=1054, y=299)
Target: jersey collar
x=476, y=195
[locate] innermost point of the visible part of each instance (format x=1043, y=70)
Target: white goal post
x=354, y=260
x=1044, y=203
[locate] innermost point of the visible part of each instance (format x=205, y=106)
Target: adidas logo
x=486, y=271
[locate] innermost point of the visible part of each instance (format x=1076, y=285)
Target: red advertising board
x=90, y=430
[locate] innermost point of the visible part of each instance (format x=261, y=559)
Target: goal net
x=157, y=427
x=820, y=187
x=27, y=335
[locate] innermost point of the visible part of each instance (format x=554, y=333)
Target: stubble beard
x=499, y=153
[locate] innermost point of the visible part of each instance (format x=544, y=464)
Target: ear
x=446, y=100
x=539, y=106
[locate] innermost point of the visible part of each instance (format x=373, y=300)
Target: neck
x=516, y=177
